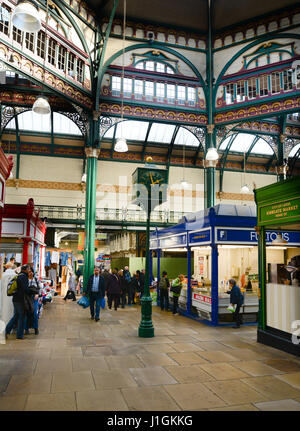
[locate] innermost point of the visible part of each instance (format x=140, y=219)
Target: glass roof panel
x=62, y=124
x=224, y=144
x=185, y=137
x=132, y=130
x=161, y=133
x=30, y=121
x=242, y=142
x=294, y=150
x=262, y=147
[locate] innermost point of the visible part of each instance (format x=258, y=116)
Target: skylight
x=161, y=133
x=262, y=147
x=294, y=150
x=185, y=137
x=242, y=143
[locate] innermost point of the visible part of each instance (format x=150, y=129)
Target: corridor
x=78, y=364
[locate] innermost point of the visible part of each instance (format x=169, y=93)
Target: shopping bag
x=231, y=307
x=84, y=301
x=102, y=303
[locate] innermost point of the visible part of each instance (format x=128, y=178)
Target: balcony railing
x=103, y=214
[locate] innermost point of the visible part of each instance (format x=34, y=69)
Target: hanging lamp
x=245, y=189
x=121, y=143
x=26, y=17
x=41, y=106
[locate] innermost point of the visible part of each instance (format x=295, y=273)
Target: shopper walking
x=71, y=287
x=96, y=291
x=127, y=277
x=123, y=284
x=236, y=298
x=176, y=290
x=32, y=303
x=113, y=289
x=164, y=285
x=19, y=303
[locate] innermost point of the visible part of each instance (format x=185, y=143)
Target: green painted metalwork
x=64, y=5
x=18, y=141
x=171, y=145
x=101, y=59
x=146, y=139
x=223, y=160
x=262, y=318
x=251, y=148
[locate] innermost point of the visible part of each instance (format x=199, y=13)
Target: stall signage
x=202, y=298
x=282, y=211
x=199, y=237
x=245, y=236
x=173, y=241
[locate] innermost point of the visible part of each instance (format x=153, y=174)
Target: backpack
x=127, y=277
x=12, y=286
x=162, y=283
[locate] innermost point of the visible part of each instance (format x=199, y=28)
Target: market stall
x=278, y=207
x=223, y=243
x=23, y=235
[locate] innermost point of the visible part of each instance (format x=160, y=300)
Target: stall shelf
x=214, y=232
x=278, y=207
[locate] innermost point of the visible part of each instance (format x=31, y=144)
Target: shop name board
x=244, y=236
x=173, y=241
x=199, y=237
x=202, y=298
x=286, y=210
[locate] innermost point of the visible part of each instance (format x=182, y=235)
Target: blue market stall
x=223, y=241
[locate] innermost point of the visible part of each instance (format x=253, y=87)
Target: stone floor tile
x=51, y=366
x=129, y=350
x=149, y=398
x=240, y=407
x=107, y=400
x=217, y=356
x=74, y=352
x=181, y=339
x=283, y=365
x=277, y=406
x=212, y=345
x=130, y=361
x=4, y=380
x=72, y=381
x=79, y=342
x=244, y=354
x=156, y=359
x=29, y=384
x=160, y=348
x=184, y=331
x=256, y=368
x=188, y=374
x=292, y=379
x=272, y=388
x=192, y=396
x=187, y=358
x=149, y=376
x=92, y=351
x=113, y=379
x=13, y=402
x=10, y=366
x=236, y=344
x=234, y=392
x=90, y=363
x=51, y=402
x=187, y=347
x=223, y=371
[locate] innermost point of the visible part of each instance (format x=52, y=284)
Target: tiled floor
x=78, y=364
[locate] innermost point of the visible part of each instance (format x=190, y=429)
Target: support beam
x=52, y=132
x=113, y=141
x=171, y=145
x=146, y=140
x=18, y=142
x=251, y=148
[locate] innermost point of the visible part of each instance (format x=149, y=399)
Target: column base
x=146, y=328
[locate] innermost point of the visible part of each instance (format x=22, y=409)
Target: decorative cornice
x=92, y=152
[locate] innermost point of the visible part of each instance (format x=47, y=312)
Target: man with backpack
x=127, y=278
x=18, y=288
x=164, y=285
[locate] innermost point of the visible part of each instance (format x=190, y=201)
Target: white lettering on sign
x=202, y=298
x=253, y=236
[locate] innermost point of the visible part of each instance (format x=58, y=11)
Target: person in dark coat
x=19, y=303
x=127, y=276
x=124, y=286
x=113, y=289
x=96, y=291
x=164, y=285
x=31, y=310
x=135, y=286
x=236, y=297
x=142, y=281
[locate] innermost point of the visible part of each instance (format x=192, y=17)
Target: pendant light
x=245, y=189
x=212, y=154
x=26, y=17
x=121, y=144
x=41, y=105
x=83, y=178
x=184, y=183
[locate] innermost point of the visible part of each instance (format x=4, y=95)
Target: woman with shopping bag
x=236, y=300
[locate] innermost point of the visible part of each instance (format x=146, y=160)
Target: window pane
x=161, y=133
x=41, y=38
x=171, y=93
x=229, y=93
x=262, y=147
x=275, y=82
x=138, y=88
x=263, y=85
x=62, y=124
x=140, y=65
x=127, y=87
x=160, y=67
x=242, y=142
x=17, y=35
x=185, y=137
x=181, y=94
x=4, y=19
x=169, y=70
x=132, y=130
x=149, y=88
x=71, y=64
x=287, y=79
x=160, y=92
x=51, y=51
x=191, y=96
x=294, y=150
x=252, y=88
x=62, y=52
x=240, y=91
x=116, y=85
x=150, y=65
x=29, y=41
x=80, y=70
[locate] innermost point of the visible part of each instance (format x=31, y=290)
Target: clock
x=155, y=182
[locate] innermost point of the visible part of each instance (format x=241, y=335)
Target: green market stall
x=278, y=207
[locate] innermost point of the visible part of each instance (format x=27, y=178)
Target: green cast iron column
x=281, y=141
x=90, y=212
x=146, y=328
